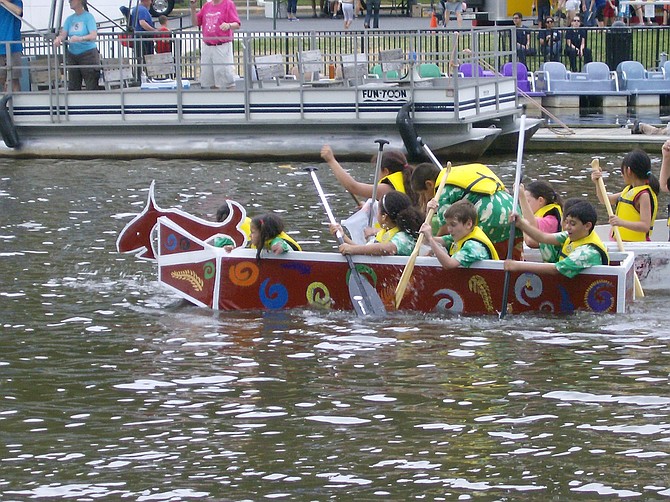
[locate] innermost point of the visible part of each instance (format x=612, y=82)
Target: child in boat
x=478, y=184
x=636, y=204
x=580, y=245
x=665, y=167
x=395, y=174
x=541, y=207
x=267, y=232
x=466, y=243
x=400, y=222
x=226, y=242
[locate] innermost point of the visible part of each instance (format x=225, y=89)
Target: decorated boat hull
x=213, y=278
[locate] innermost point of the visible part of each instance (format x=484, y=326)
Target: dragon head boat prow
x=136, y=237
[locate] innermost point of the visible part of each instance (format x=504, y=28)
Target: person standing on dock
x=218, y=19
x=10, y=31
x=82, y=56
x=143, y=26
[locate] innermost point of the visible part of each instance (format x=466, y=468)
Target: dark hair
x=394, y=161
x=639, y=162
x=517, y=14
x=269, y=226
x=222, y=213
x=584, y=212
x=400, y=210
x=571, y=202
x=543, y=189
x=463, y=211
x=426, y=171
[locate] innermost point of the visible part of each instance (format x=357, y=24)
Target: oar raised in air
x=364, y=298
x=378, y=168
x=602, y=194
x=515, y=203
x=409, y=266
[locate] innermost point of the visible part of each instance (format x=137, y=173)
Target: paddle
x=602, y=193
x=409, y=266
x=364, y=297
x=378, y=167
x=512, y=227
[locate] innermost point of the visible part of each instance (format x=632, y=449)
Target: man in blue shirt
x=10, y=31
x=143, y=25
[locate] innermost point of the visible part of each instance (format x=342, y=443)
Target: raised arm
x=664, y=177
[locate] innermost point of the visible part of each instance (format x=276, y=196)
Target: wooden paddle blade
x=366, y=302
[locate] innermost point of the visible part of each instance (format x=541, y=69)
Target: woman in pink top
x=218, y=19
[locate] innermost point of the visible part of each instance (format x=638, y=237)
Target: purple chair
x=522, y=81
x=470, y=70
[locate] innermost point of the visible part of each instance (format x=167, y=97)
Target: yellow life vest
x=549, y=252
x=551, y=210
x=386, y=235
x=286, y=237
x=478, y=235
x=246, y=227
x=590, y=240
x=625, y=209
x=472, y=178
x=396, y=180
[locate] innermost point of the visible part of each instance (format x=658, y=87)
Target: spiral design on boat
x=527, y=285
x=185, y=244
x=365, y=270
x=209, y=269
x=547, y=306
x=448, y=301
x=273, y=296
x=244, y=273
x=599, y=296
x=318, y=294
x=171, y=242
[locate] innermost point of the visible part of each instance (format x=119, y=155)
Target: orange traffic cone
x=433, y=21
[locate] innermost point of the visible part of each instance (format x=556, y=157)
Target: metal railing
x=489, y=47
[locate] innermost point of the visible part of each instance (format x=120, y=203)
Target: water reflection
x=112, y=387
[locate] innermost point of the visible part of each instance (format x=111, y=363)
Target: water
x=112, y=388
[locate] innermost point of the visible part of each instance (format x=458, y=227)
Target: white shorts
x=216, y=66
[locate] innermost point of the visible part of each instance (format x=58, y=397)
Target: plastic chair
x=522, y=81
x=469, y=70
x=429, y=70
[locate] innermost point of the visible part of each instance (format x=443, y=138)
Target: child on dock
x=267, y=232
x=478, y=184
x=466, y=243
x=580, y=245
x=636, y=205
x=542, y=208
x=400, y=222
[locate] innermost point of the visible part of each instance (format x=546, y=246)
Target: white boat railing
x=402, y=62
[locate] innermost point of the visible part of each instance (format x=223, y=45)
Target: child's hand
x=345, y=248
x=369, y=232
x=596, y=174
x=334, y=228
x=510, y=265
x=277, y=248
x=615, y=221
x=227, y=249
x=427, y=231
x=327, y=153
x=432, y=204
x=665, y=149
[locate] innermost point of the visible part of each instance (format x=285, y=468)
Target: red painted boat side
x=209, y=276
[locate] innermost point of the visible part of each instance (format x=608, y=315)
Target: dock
x=593, y=140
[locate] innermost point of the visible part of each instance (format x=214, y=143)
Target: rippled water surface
x=112, y=388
